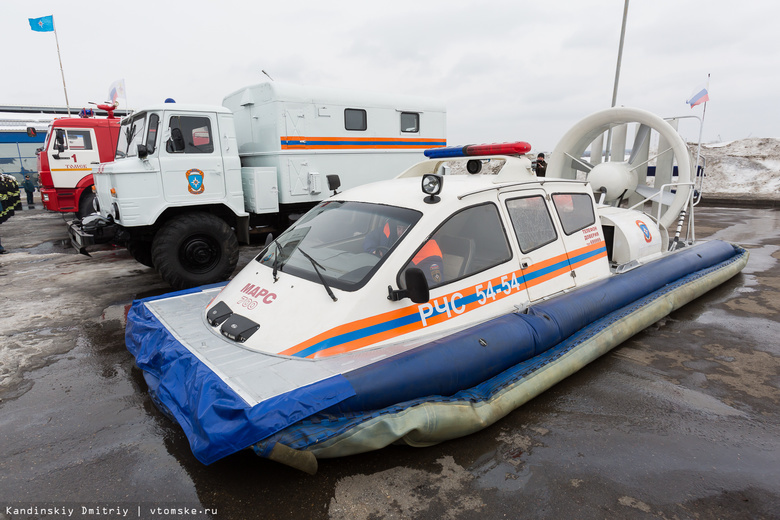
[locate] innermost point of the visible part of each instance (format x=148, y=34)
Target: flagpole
x=124, y=87
x=608, y=151
x=701, y=128
x=54, y=26
x=620, y=54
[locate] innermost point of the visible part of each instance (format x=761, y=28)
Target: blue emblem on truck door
x=195, y=181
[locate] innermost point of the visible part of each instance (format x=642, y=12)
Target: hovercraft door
x=543, y=258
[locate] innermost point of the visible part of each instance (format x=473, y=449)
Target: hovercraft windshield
x=347, y=240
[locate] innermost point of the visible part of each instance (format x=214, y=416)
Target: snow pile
x=744, y=167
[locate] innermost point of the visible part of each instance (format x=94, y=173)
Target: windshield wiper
x=314, y=264
x=263, y=258
x=276, y=262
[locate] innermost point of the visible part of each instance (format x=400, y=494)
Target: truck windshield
x=131, y=134
x=347, y=241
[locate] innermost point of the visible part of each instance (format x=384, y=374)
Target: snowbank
x=744, y=167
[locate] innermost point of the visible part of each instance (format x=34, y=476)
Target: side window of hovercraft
x=190, y=134
x=575, y=211
x=469, y=242
x=532, y=222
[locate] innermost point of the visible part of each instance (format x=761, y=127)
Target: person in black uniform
x=540, y=166
x=8, y=186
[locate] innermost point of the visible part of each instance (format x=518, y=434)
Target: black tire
x=195, y=249
x=141, y=251
x=86, y=204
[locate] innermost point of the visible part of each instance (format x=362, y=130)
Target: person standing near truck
x=3, y=198
x=29, y=188
x=8, y=185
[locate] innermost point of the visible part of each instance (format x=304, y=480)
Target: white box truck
x=189, y=182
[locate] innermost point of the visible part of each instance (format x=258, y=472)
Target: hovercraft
x=429, y=306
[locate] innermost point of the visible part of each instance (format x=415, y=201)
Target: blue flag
x=43, y=24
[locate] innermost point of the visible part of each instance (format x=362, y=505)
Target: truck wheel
x=86, y=204
x=141, y=251
x=195, y=249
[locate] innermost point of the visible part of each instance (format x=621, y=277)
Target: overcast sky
x=507, y=70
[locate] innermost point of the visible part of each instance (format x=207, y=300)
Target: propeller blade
x=641, y=134
x=579, y=164
x=646, y=191
x=597, y=149
x=617, y=150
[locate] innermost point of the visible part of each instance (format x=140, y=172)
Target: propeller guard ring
x=582, y=134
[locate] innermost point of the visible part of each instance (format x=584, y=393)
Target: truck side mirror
x=59, y=140
x=143, y=152
x=334, y=183
x=178, y=140
x=151, y=136
x=31, y=132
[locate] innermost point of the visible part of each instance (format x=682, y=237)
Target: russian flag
x=117, y=90
x=699, y=96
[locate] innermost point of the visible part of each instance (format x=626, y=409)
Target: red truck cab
x=73, y=146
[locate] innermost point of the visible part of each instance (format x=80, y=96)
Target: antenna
x=269, y=76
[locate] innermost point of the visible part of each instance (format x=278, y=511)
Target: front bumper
x=64, y=201
x=90, y=231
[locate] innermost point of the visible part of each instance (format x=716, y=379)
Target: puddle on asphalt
x=52, y=246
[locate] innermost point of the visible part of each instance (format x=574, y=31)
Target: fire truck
x=73, y=146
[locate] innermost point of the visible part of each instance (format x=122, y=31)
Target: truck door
x=72, y=151
x=543, y=259
x=191, y=159
x=296, y=182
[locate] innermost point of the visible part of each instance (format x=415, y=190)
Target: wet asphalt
x=682, y=421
